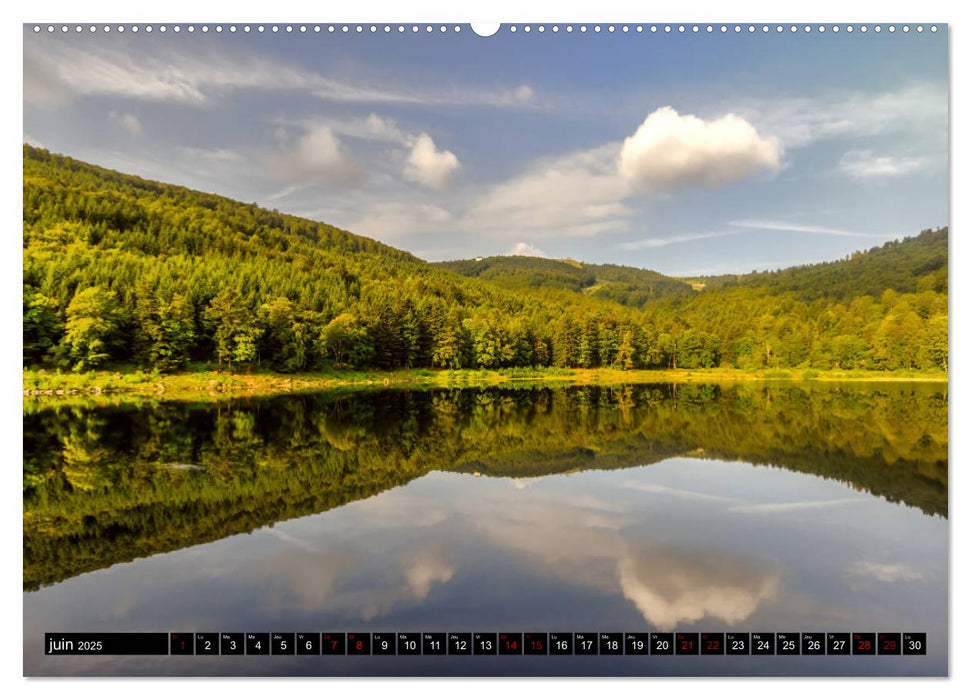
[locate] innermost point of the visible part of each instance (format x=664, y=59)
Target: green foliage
x=42, y=326
x=92, y=328
x=914, y=264
x=120, y=271
x=629, y=286
x=345, y=342
x=166, y=328
x=233, y=327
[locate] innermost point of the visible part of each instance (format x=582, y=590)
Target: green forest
x=123, y=272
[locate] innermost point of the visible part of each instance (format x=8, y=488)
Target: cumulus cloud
x=585, y=193
x=523, y=248
x=864, y=165
x=383, y=129
x=128, y=122
x=429, y=166
x=316, y=154
x=670, y=151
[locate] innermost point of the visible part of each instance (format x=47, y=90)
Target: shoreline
x=207, y=384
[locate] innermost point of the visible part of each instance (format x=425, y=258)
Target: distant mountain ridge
x=630, y=286
x=912, y=264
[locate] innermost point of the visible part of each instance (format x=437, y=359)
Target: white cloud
x=429, y=166
x=522, y=94
x=523, y=248
x=371, y=128
x=58, y=71
x=672, y=240
x=128, y=122
x=317, y=154
x=579, y=194
x=389, y=220
x=212, y=155
x=384, y=129
x=799, y=121
x=585, y=193
x=800, y=228
x=863, y=165
x=670, y=151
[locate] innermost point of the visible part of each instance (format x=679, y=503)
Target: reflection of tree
x=100, y=487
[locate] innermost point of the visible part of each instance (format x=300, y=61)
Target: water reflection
x=787, y=508
x=108, y=483
x=616, y=550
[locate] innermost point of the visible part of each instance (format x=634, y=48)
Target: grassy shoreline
x=204, y=384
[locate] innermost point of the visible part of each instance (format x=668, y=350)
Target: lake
x=816, y=507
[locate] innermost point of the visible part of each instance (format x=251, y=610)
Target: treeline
x=103, y=485
x=121, y=271
x=912, y=265
x=629, y=286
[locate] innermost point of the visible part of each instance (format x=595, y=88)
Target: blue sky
x=684, y=153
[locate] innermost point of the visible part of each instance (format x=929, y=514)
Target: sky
x=684, y=153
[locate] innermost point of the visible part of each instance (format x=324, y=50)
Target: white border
x=603, y=11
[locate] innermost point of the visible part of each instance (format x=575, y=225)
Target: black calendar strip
x=487, y=643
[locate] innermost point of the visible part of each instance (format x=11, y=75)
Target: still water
x=695, y=508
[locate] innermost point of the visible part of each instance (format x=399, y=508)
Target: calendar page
x=522, y=349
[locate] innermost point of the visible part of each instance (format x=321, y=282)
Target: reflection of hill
x=97, y=491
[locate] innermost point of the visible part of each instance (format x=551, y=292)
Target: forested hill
x=914, y=264
x=124, y=211
x=122, y=272
x=629, y=286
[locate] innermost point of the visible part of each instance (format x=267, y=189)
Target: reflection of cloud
x=420, y=570
x=793, y=506
x=389, y=510
x=327, y=576
x=670, y=588
x=427, y=569
x=311, y=579
x=282, y=534
x=523, y=482
x=589, y=542
x=678, y=493
x=888, y=573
